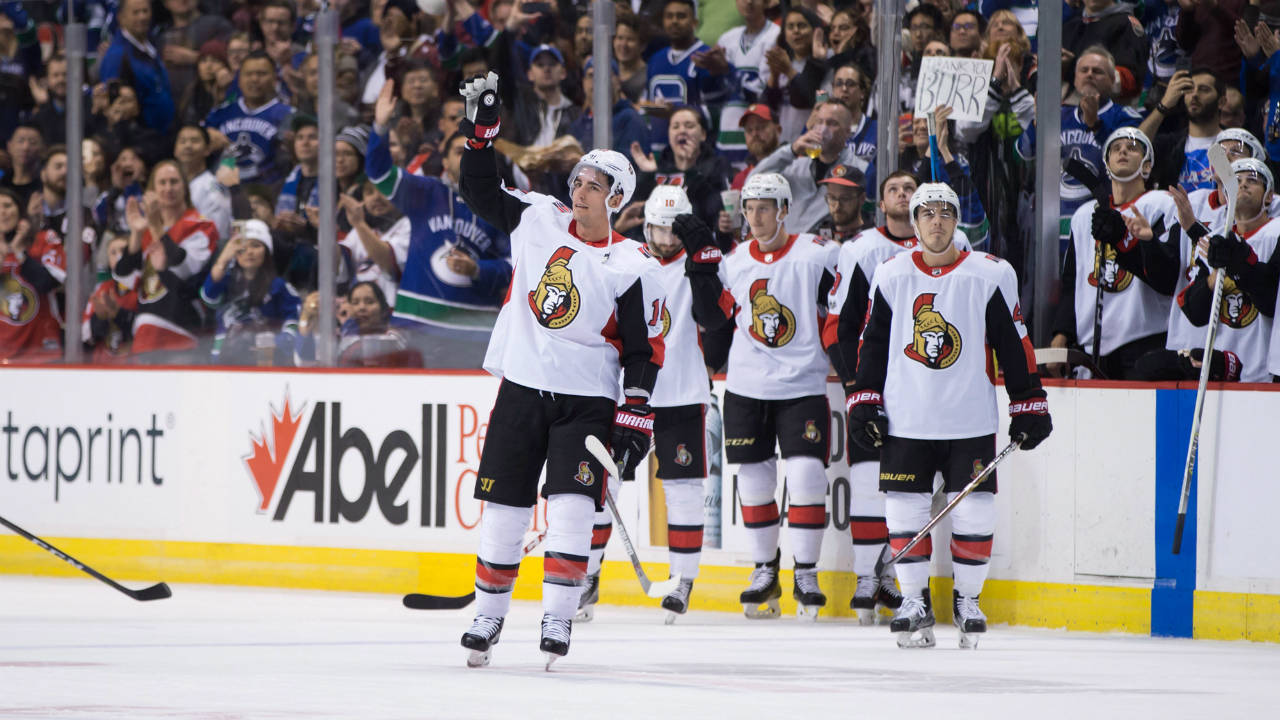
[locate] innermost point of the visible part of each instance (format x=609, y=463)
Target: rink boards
x=363, y=481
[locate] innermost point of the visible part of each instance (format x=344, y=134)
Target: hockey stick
x=1231, y=186
x=973, y=485
x=934, y=159
x=1097, y=186
x=159, y=591
x=652, y=589
x=422, y=601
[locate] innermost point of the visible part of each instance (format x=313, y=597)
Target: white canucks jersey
x=1131, y=309
x=683, y=378
x=559, y=329
x=1242, y=328
x=746, y=54
x=927, y=346
x=777, y=345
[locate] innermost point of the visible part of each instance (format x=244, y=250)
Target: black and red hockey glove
x=1224, y=365
x=1230, y=253
x=868, y=425
x=702, y=255
x=632, y=435
x=1029, y=418
x=480, y=126
x=1107, y=225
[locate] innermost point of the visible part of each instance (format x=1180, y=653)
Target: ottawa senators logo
x=683, y=457
x=977, y=470
x=584, y=475
x=1114, y=278
x=937, y=342
x=1237, y=309
x=666, y=322
x=811, y=432
x=18, y=301
x=555, y=301
x=772, y=323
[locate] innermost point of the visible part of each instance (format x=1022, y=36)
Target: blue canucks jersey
x=253, y=135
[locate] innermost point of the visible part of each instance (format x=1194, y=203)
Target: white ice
x=77, y=649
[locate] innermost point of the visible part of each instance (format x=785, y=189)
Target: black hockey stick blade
x=420, y=601
x=159, y=591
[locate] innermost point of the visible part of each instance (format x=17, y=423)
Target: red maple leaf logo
x=264, y=464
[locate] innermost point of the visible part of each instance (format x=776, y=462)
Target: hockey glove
x=1230, y=253
x=868, y=425
x=701, y=252
x=1107, y=226
x=1224, y=366
x=1029, y=419
x=481, y=123
x=632, y=435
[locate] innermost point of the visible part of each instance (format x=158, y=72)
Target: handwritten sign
x=958, y=82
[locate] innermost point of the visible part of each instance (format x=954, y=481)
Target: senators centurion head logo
x=936, y=342
x=1237, y=309
x=1114, y=278
x=772, y=323
x=683, y=457
x=811, y=431
x=17, y=300
x=584, y=474
x=555, y=301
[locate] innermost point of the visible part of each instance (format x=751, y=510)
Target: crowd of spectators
x=201, y=152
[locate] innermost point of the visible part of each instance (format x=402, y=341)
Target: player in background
x=924, y=395
x=578, y=321
x=772, y=289
x=680, y=402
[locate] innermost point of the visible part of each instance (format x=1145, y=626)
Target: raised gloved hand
x=482, y=113
x=701, y=252
x=1107, y=225
x=1230, y=253
x=632, y=435
x=868, y=425
x=1029, y=419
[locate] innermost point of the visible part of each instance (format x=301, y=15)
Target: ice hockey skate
x=590, y=596
x=871, y=595
x=555, y=638
x=677, y=602
x=763, y=591
x=969, y=619
x=808, y=596
x=913, y=624
x=480, y=639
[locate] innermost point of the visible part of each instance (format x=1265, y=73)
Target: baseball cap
x=301, y=120
x=846, y=175
x=545, y=48
x=613, y=65
x=759, y=110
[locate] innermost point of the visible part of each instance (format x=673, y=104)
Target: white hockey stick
x=652, y=589
x=1231, y=186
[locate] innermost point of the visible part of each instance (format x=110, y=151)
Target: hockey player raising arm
x=924, y=394
x=584, y=311
x=772, y=289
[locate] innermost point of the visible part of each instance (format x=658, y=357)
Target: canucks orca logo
x=772, y=323
x=1114, y=278
x=936, y=343
x=1237, y=309
x=18, y=301
x=555, y=302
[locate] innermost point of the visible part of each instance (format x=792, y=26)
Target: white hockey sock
x=602, y=529
x=564, y=565
x=684, y=525
x=866, y=517
x=972, y=524
x=757, y=490
x=502, y=529
x=807, y=511
x=906, y=514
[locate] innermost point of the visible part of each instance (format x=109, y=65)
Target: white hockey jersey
x=777, y=341
x=927, y=345
x=746, y=54
x=683, y=378
x=1131, y=309
x=559, y=329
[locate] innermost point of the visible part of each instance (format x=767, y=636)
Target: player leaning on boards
x=924, y=395
x=680, y=399
x=577, y=318
x=773, y=290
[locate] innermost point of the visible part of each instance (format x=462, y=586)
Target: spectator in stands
x=924, y=23
x=253, y=124
x=1231, y=109
x=257, y=311
x=786, y=60
x=1260, y=47
x=1182, y=151
x=761, y=133
x=367, y=338
x=97, y=175
x=852, y=86
x=25, y=147
x=419, y=94
x=845, y=193
x=1206, y=30
x=209, y=90
x=19, y=61
x=379, y=238
x=276, y=20
x=183, y=37
x=126, y=171
x=106, y=326
x=1004, y=30
x=291, y=225
x=344, y=113
x=952, y=169
x=965, y=38
x=132, y=59
x=626, y=125
x=51, y=219
x=172, y=221
x=165, y=321
x=627, y=47
x=115, y=117
x=30, y=331
x=51, y=111
x=541, y=112
x=689, y=161
x=1112, y=26
x=850, y=41
x=210, y=197
x=239, y=45
x=686, y=72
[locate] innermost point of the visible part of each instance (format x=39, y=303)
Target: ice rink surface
x=77, y=649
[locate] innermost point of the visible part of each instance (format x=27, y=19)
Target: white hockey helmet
x=1257, y=167
x=767, y=186
x=617, y=167
x=932, y=192
x=1136, y=135
x=665, y=203
x=1244, y=137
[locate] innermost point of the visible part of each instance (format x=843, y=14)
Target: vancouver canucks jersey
x=254, y=135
